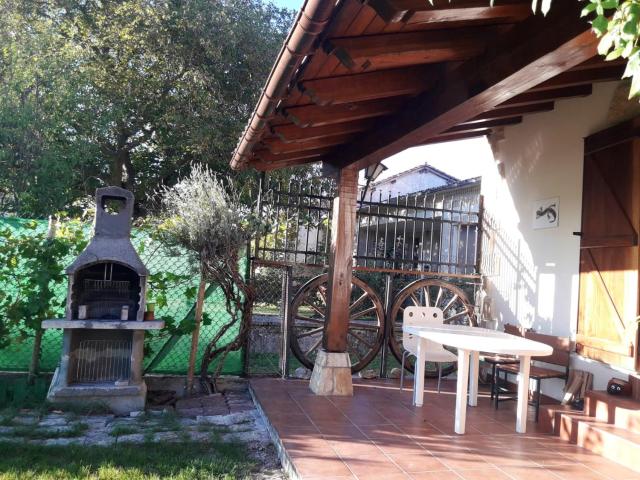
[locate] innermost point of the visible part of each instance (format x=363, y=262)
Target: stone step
x=623, y=412
x=549, y=417
x=608, y=440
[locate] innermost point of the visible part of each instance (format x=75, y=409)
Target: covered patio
x=378, y=434
x=360, y=81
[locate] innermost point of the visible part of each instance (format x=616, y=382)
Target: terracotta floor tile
x=576, y=471
x=612, y=470
x=310, y=467
x=530, y=473
x=373, y=467
x=484, y=473
x=435, y=476
x=461, y=460
x=400, y=447
x=346, y=448
x=420, y=462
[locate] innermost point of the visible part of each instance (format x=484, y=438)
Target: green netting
x=17, y=356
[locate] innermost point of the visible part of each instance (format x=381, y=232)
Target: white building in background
x=417, y=179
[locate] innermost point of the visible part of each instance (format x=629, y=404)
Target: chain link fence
x=164, y=352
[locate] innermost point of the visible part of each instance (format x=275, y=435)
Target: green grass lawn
x=179, y=461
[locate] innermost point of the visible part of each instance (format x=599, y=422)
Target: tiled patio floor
x=378, y=434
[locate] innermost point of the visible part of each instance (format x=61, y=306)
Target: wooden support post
x=341, y=262
x=332, y=370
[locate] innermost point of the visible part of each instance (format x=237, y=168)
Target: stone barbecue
x=102, y=346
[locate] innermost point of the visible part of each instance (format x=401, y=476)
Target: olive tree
x=203, y=214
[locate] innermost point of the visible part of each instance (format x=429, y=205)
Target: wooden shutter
x=608, y=298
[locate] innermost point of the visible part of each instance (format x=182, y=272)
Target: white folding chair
x=436, y=353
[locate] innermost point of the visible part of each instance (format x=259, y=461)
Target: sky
x=460, y=159
x=292, y=4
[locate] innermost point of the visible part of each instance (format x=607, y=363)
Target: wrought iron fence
x=432, y=231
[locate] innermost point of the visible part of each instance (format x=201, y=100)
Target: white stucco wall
x=532, y=275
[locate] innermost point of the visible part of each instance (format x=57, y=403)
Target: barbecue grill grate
x=101, y=361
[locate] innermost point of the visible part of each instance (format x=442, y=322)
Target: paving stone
x=226, y=419
x=25, y=420
x=61, y=441
x=167, y=437
x=131, y=438
x=53, y=421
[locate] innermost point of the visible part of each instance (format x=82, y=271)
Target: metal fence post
x=388, y=298
x=286, y=297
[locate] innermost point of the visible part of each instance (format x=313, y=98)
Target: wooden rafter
x=294, y=133
x=484, y=124
x=539, y=49
x=369, y=86
x=571, y=78
x=544, y=96
x=421, y=11
x=515, y=111
x=277, y=147
x=314, y=115
x=373, y=52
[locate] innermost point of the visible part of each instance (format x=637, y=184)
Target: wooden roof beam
x=421, y=11
x=538, y=50
x=276, y=146
x=474, y=126
x=452, y=137
x=265, y=156
x=544, y=96
x=269, y=166
x=583, y=76
x=374, y=52
x=369, y=86
x=508, y=112
x=294, y=133
x=315, y=115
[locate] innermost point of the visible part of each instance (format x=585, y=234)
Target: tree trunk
x=35, y=356
x=195, y=335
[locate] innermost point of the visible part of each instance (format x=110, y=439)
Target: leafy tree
x=124, y=92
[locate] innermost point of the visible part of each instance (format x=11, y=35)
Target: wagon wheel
x=308, y=312
x=455, y=306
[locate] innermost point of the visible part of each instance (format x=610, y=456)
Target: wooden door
x=608, y=296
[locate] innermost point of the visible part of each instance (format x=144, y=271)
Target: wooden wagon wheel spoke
x=315, y=346
x=364, y=326
x=457, y=315
x=363, y=312
x=451, y=302
x=362, y=345
x=362, y=298
x=311, y=332
x=323, y=294
x=310, y=319
x=415, y=300
x=319, y=311
x=438, y=298
x=355, y=335
x=427, y=297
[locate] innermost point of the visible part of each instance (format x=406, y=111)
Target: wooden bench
x=497, y=360
x=561, y=355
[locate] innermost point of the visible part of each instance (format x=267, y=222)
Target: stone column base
x=332, y=374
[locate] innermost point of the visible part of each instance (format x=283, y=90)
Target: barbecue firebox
x=102, y=346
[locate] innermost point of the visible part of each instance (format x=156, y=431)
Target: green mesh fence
x=164, y=353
